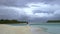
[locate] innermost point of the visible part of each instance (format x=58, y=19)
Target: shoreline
x=9, y=29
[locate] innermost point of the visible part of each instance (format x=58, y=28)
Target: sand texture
x=9, y=29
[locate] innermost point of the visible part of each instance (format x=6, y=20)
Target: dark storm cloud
x=40, y=11
x=12, y=13
x=38, y=20
x=16, y=3
x=44, y=11
x=22, y=3
x=52, y=2
x=33, y=10
x=56, y=15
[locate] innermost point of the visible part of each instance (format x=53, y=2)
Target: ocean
x=50, y=28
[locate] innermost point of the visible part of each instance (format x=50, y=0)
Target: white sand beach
x=9, y=29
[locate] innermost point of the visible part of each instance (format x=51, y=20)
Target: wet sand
x=9, y=29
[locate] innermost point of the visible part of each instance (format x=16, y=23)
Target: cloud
x=13, y=3
x=56, y=15
x=12, y=13
x=44, y=14
x=31, y=10
x=52, y=2
x=44, y=11
x=43, y=8
x=22, y=3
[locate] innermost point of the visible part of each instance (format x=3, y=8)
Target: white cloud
x=44, y=14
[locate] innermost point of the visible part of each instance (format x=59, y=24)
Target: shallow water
x=35, y=28
x=50, y=28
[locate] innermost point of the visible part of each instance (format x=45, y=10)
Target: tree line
x=11, y=21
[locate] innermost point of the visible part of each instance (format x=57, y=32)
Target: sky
x=33, y=11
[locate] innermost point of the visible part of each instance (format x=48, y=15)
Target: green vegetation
x=11, y=21
x=53, y=21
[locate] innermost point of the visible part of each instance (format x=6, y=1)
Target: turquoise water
x=51, y=28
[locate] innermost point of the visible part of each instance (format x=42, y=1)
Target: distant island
x=53, y=21
x=12, y=21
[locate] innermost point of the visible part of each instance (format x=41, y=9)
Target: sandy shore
x=9, y=29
